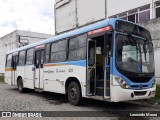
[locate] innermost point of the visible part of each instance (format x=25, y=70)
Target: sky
x=28, y=15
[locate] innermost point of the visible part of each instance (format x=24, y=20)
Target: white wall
x=89, y=11
x=66, y=16
x=118, y=6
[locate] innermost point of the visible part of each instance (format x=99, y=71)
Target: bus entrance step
x=99, y=91
x=107, y=91
x=100, y=83
x=38, y=90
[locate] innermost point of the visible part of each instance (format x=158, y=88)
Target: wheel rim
x=73, y=93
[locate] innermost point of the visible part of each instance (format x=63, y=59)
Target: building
x=137, y=11
x=16, y=39
x=78, y=13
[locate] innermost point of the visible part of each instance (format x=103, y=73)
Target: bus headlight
x=121, y=82
x=153, y=84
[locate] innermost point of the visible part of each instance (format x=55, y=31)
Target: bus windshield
x=134, y=54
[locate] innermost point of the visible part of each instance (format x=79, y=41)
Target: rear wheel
x=21, y=89
x=74, y=93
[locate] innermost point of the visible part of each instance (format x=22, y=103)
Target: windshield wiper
x=131, y=39
x=147, y=47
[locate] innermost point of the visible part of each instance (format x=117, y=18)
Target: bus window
x=58, y=51
x=9, y=61
x=47, y=53
x=29, y=57
x=77, y=48
x=91, y=54
x=22, y=58
x=14, y=62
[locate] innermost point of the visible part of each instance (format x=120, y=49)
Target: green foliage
x=157, y=92
x=1, y=78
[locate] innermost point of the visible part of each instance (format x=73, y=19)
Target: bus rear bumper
x=118, y=94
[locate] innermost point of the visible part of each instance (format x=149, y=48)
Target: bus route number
x=70, y=70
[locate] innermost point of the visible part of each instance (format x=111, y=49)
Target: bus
x=111, y=60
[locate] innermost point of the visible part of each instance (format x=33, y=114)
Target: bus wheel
x=20, y=85
x=74, y=93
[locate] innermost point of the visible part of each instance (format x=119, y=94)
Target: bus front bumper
x=118, y=94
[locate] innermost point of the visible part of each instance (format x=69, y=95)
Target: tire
x=21, y=89
x=74, y=93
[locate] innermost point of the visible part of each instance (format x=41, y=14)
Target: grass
x=157, y=96
x=1, y=78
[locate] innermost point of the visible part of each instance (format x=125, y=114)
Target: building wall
x=11, y=41
x=72, y=14
x=143, y=9
x=116, y=6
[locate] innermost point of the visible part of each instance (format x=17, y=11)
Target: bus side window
x=77, y=48
x=29, y=57
x=22, y=56
x=14, y=62
x=91, y=55
x=48, y=50
x=58, y=51
x=9, y=60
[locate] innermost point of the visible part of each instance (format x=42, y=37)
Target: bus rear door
x=39, y=57
x=14, y=67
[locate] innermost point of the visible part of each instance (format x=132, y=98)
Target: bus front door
x=39, y=56
x=98, y=74
x=106, y=66
x=91, y=72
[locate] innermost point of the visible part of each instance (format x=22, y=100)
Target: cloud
x=29, y=15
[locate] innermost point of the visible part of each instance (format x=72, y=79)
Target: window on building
x=29, y=57
x=157, y=9
x=77, y=48
x=22, y=58
x=132, y=18
x=141, y=14
x=144, y=16
x=9, y=60
x=144, y=13
x=58, y=51
x=115, y=16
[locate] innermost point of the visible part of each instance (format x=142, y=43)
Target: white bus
x=110, y=60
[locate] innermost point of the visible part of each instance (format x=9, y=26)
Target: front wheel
x=74, y=93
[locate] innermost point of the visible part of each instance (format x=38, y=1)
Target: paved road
x=12, y=100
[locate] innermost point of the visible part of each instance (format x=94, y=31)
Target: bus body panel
x=21, y=73
x=55, y=75
x=8, y=75
x=14, y=77
x=118, y=94
x=39, y=78
x=29, y=76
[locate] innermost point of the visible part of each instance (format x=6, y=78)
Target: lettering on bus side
x=70, y=70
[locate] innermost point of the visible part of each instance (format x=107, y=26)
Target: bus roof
x=85, y=29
